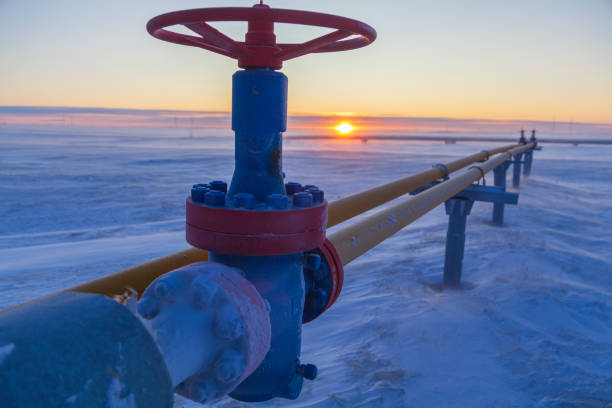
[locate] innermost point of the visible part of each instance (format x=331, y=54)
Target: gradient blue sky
x=539, y=59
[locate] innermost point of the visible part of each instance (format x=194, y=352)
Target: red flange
x=260, y=48
x=336, y=271
x=247, y=232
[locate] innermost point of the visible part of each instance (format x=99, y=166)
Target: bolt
x=316, y=299
x=201, y=185
x=229, y=367
x=228, y=324
x=308, y=371
x=312, y=261
x=198, y=193
x=278, y=201
x=244, y=200
x=317, y=195
x=310, y=186
x=293, y=188
x=215, y=198
x=218, y=185
x=302, y=200
x=148, y=307
x=203, y=390
x=201, y=293
x=318, y=274
x=164, y=290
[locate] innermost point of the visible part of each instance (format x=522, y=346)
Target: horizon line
x=304, y=115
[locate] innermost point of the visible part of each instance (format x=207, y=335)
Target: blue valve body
x=259, y=116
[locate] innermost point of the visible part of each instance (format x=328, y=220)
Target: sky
x=548, y=60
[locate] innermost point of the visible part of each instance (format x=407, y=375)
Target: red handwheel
x=260, y=50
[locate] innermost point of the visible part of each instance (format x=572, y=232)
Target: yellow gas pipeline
x=363, y=235
x=140, y=276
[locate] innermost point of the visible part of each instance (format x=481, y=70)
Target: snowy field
x=535, y=329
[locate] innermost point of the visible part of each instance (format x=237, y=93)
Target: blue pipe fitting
x=244, y=200
x=277, y=201
x=81, y=350
x=215, y=198
x=302, y=199
x=293, y=187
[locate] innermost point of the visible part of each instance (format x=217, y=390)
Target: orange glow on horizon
x=344, y=128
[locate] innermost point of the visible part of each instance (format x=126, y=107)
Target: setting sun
x=345, y=128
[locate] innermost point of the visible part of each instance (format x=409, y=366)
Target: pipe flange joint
x=242, y=225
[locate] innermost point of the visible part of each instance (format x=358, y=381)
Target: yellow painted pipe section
x=350, y=206
x=140, y=276
x=363, y=235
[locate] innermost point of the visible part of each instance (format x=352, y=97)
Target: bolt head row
x=214, y=194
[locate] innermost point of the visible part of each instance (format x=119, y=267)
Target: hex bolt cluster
x=215, y=194
x=296, y=189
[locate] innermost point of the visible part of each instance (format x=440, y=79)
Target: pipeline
x=354, y=240
x=232, y=325
x=140, y=276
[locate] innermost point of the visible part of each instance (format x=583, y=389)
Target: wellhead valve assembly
x=270, y=231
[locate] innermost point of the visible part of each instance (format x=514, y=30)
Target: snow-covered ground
x=535, y=329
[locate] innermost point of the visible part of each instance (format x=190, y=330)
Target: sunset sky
x=548, y=60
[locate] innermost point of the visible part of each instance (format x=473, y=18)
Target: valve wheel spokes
x=268, y=53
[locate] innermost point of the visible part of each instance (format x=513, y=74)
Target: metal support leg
x=516, y=176
x=528, y=161
x=457, y=209
x=499, y=181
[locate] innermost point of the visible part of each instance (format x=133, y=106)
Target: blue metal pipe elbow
x=81, y=350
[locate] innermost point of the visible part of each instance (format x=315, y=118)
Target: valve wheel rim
x=213, y=40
